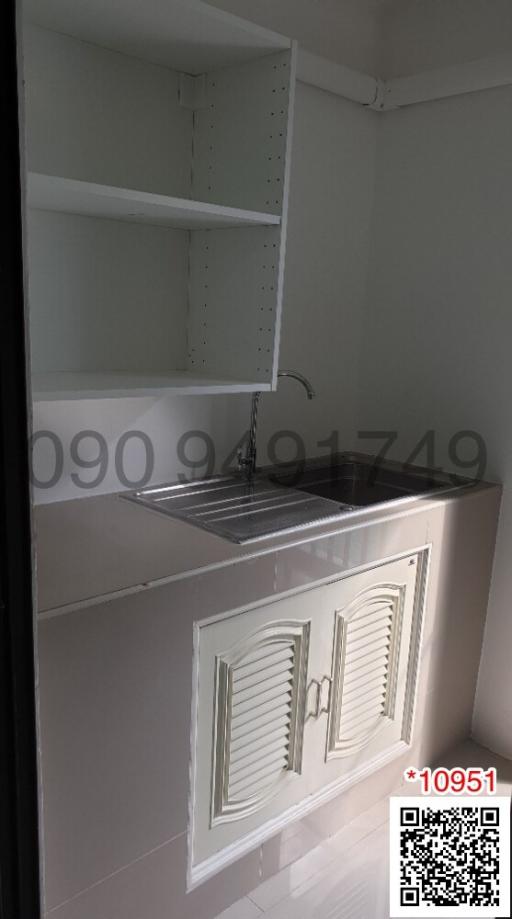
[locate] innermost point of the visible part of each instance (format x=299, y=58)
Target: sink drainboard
x=239, y=510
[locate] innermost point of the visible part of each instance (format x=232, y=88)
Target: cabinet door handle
x=325, y=683
x=320, y=707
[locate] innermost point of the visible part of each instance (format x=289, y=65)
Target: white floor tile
x=243, y=909
x=347, y=876
x=354, y=887
x=375, y=816
x=349, y=836
x=293, y=843
x=282, y=885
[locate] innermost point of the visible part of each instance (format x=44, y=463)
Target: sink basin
x=271, y=503
x=362, y=484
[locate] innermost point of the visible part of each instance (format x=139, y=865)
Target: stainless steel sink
x=363, y=484
x=239, y=510
x=244, y=511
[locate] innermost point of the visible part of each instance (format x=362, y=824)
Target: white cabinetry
x=295, y=700
x=158, y=149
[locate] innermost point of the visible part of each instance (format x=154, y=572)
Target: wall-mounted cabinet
x=297, y=699
x=158, y=151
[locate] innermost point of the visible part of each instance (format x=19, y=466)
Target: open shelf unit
x=186, y=35
x=71, y=196
x=54, y=387
x=158, y=147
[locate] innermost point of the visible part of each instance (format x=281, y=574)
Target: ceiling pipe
x=382, y=96
x=335, y=78
x=457, y=80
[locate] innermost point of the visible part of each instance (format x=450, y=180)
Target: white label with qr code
x=450, y=857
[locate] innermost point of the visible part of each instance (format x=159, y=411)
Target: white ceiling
x=418, y=35
x=342, y=30
x=388, y=37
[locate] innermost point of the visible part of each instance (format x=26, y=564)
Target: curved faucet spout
x=247, y=462
x=300, y=379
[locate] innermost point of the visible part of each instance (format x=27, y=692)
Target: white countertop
x=92, y=548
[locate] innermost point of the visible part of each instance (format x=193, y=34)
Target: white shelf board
x=186, y=35
x=72, y=196
x=64, y=386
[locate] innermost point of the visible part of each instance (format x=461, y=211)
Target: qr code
x=450, y=857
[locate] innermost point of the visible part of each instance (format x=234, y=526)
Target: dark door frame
x=19, y=835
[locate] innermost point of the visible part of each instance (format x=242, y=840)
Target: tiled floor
x=346, y=876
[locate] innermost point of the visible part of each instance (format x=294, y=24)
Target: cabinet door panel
x=293, y=697
x=370, y=620
x=370, y=657
x=252, y=700
x=247, y=773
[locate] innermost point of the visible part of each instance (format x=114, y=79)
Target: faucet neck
x=251, y=449
x=247, y=462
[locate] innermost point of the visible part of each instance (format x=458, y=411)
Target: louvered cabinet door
x=250, y=711
x=293, y=697
x=372, y=617
x=258, y=718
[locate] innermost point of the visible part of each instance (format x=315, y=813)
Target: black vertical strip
x=19, y=855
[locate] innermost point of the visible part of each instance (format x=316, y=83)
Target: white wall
x=418, y=35
x=438, y=333
x=324, y=300
x=387, y=38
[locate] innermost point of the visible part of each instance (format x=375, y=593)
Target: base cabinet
x=294, y=698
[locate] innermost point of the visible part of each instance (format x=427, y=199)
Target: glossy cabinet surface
x=297, y=696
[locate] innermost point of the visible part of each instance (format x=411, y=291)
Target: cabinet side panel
x=101, y=116
x=233, y=302
x=284, y=211
x=241, y=132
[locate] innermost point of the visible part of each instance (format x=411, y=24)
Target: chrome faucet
x=247, y=462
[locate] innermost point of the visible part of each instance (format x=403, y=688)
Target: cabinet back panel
x=104, y=117
x=105, y=294
x=234, y=301
x=241, y=134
